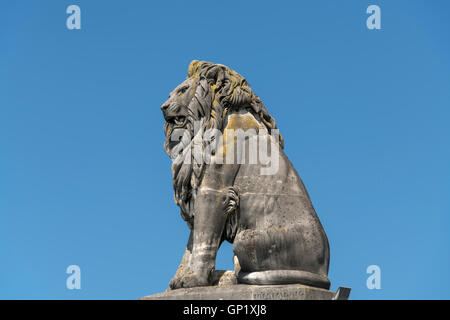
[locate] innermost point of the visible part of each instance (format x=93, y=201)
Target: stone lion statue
x=267, y=215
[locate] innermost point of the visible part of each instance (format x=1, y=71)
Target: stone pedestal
x=250, y=292
x=225, y=287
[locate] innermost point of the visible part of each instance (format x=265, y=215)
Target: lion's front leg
x=207, y=232
x=184, y=267
x=208, y=229
x=213, y=204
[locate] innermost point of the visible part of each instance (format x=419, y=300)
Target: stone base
x=250, y=292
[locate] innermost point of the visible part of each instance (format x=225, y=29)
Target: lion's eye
x=183, y=90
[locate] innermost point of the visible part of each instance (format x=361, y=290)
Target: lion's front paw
x=175, y=283
x=189, y=281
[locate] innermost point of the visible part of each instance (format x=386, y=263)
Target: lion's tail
x=270, y=277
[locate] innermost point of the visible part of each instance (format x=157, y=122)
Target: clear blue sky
x=84, y=179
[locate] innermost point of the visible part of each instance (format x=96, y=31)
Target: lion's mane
x=219, y=90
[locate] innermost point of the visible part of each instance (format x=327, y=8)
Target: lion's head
x=209, y=92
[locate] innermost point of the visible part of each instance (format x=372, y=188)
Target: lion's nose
x=164, y=107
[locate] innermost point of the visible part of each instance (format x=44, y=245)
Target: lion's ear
x=216, y=74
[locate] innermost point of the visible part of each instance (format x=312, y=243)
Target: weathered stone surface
x=245, y=292
x=254, y=199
